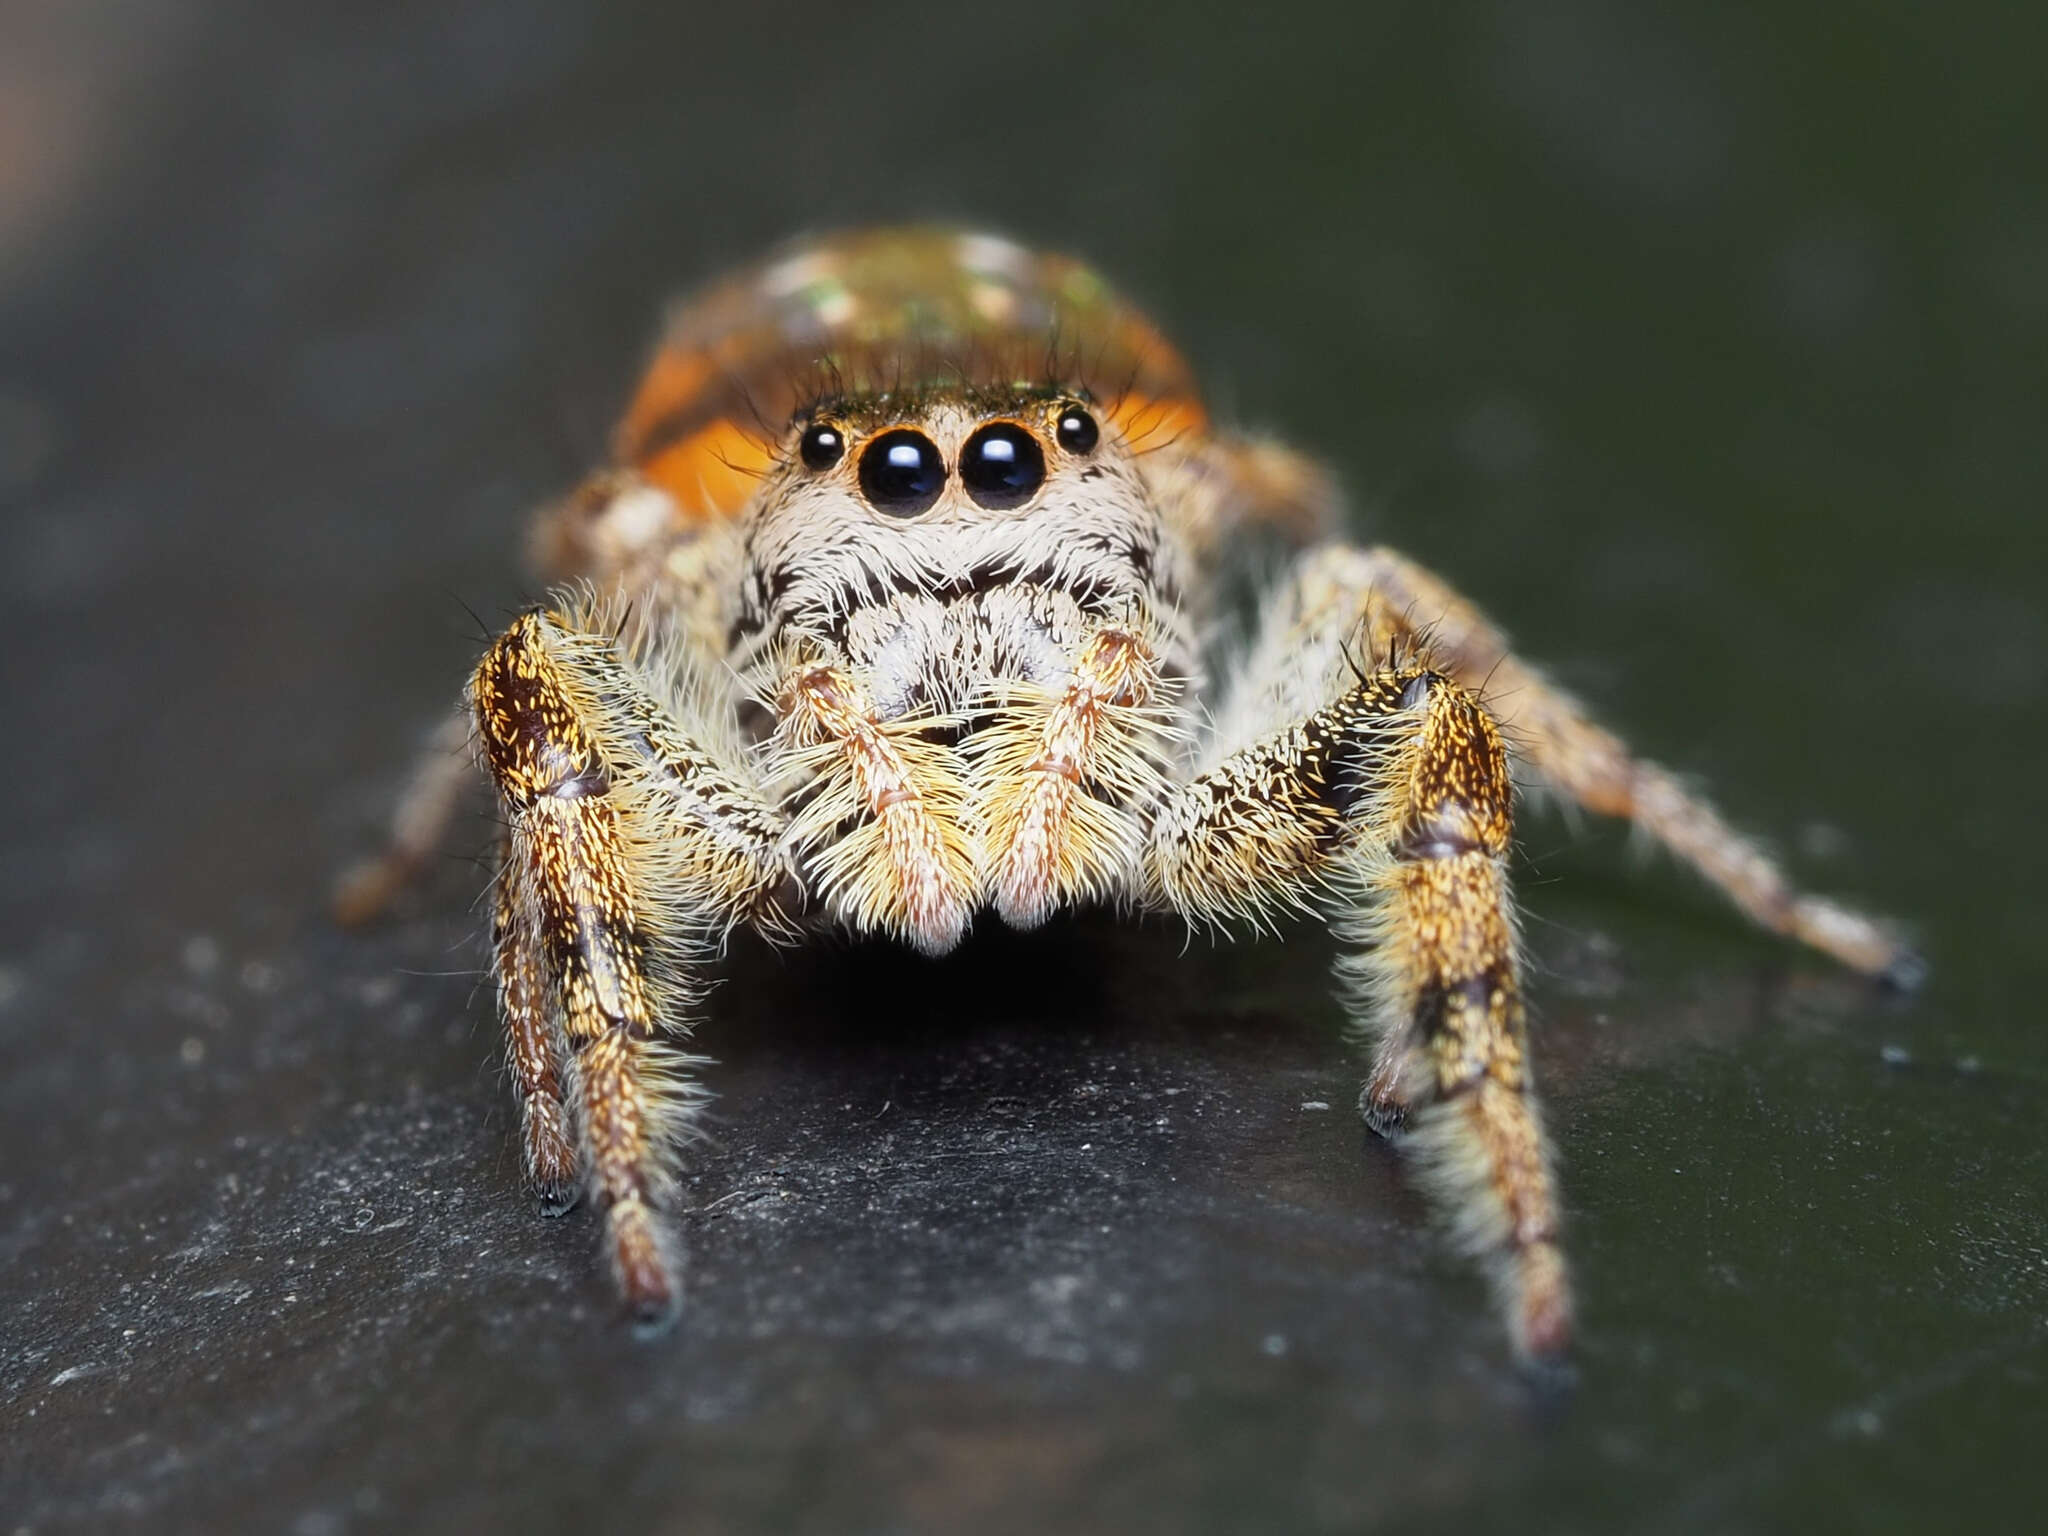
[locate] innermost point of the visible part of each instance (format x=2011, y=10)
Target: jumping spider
x=895, y=608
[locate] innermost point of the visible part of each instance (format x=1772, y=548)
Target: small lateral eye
x=901, y=472
x=823, y=446
x=1001, y=465
x=1077, y=431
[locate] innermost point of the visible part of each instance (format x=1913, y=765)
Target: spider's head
x=947, y=493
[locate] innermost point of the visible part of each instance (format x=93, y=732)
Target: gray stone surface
x=1702, y=347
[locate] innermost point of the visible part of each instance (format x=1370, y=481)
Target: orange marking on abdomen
x=712, y=473
x=850, y=312
x=1154, y=421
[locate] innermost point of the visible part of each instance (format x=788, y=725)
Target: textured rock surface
x=1698, y=349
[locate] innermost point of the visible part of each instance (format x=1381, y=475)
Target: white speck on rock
x=1057, y=1290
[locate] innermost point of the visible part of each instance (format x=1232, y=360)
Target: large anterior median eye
x=1002, y=465
x=901, y=472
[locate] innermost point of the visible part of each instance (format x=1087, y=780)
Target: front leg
x=1391, y=805
x=1056, y=769
x=879, y=821
x=535, y=1046
x=630, y=851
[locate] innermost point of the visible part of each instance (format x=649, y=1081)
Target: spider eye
x=823, y=446
x=901, y=472
x=1077, y=431
x=1002, y=465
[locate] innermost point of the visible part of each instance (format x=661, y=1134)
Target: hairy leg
x=1379, y=602
x=678, y=584
x=419, y=822
x=1390, y=804
x=882, y=817
x=1053, y=771
x=535, y=1045
x=630, y=850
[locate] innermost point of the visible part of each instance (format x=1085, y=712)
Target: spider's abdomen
x=880, y=312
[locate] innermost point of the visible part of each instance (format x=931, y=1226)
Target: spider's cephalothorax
x=891, y=613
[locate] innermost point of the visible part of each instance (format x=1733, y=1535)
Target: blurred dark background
x=1701, y=343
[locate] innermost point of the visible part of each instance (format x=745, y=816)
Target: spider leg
x=419, y=822
x=535, y=1045
x=1399, y=603
x=1054, y=774
x=631, y=851
x=1390, y=805
x=905, y=867
x=1274, y=486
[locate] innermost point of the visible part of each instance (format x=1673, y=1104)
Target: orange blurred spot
x=674, y=380
x=1150, y=422
x=713, y=472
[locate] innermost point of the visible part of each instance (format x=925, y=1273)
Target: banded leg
x=418, y=824
x=629, y=850
x=534, y=1041
x=1054, y=771
x=1391, y=804
x=1225, y=490
x=1396, y=603
x=904, y=867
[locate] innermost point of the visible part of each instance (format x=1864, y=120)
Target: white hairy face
x=949, y=540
